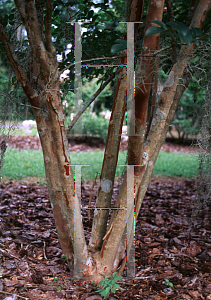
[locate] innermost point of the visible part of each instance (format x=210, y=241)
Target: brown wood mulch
x=77, y=144
x=170, y=246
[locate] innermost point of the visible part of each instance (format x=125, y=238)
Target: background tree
x=36, y=68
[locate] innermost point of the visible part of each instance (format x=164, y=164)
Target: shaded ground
x=32, y=266
x=31, y=262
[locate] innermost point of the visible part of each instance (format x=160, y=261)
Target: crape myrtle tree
x=36, y=68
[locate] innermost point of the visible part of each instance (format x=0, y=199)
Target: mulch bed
x=78, y=144
x=169, y=245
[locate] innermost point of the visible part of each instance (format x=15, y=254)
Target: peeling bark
x=109, y=164
x=112, y=145
x=144, y=75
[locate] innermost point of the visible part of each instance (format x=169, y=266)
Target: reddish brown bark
x=143, y=83
x=49, y=114
x=112, y=146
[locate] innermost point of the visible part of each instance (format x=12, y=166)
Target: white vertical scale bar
x=130, y=222
x=77, y=82
x=78, y=260
x=130, y=80
x=77, y=231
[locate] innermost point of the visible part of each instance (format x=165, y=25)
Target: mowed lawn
x=26, y=163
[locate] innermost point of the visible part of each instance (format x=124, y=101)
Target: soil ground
x=172, y=247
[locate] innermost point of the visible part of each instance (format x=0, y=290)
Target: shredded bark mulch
x=167, y=248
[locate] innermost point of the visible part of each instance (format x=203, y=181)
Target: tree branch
x=114, y=57
x=168, y=102
x=83, y=108
x=17, y=68
x=111, y=156
x=21, y=8
x=154, y=95
x=144, y=76
x=88, y=60
x=48, y=23
x=21, y=104
x=29, y=16
x=22, y=11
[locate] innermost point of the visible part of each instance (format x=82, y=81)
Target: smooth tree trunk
x=107, y=175
x=41, y=85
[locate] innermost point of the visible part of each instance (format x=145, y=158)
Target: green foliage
x=101, y=29
x=161, y=24
x=178, y=31
x=104, y=100
x=168, y=283
x=189, y=113
x=122, y=45
x=94, y=125
x=118, y=47
x=109, y=285
x=181, y=9
x=154, y=30
x=3, y=78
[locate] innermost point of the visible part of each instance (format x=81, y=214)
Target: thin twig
x=153, y=97
x=90, y=198
x=109, y=231
x=122, y=266
x=44, y=246
x=113, y=57
x=6, y=293
x=83, y=108
x=88, y=60
x=26, y=105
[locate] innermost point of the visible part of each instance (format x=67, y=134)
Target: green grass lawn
x=29, y=163
x=176, y=164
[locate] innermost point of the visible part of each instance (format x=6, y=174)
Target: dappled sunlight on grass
x=26, y=163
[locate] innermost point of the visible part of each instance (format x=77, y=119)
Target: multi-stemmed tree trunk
x=106, y=248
